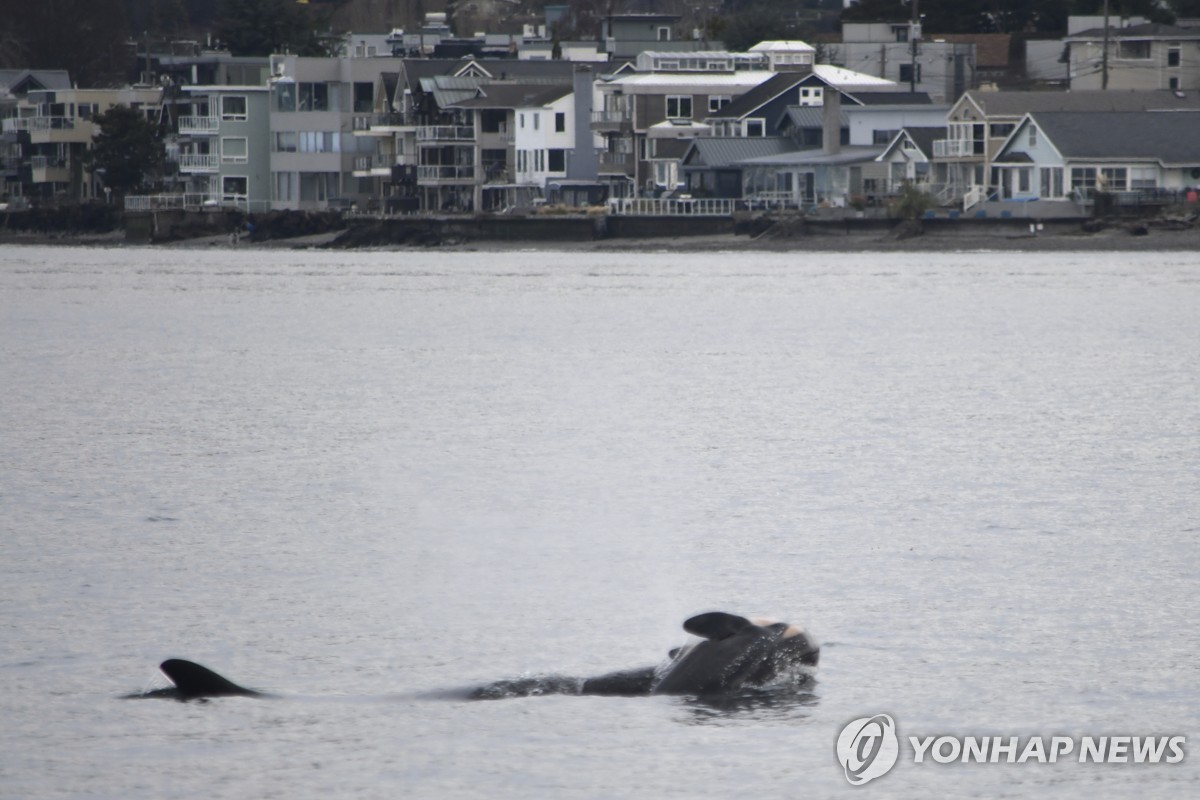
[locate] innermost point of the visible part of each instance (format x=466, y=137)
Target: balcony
x=44, y=169
x=445, y=133
x=376, y=165
x=199, y=125
x=612, y=119
x=956, y=148
x=436, y=173
x=616, y=163
x=382, y=124
x=39, y=124
x=199, y=162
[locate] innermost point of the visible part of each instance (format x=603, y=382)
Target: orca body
x=736, y=653
x=193, y=682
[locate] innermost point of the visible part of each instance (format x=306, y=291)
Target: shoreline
x=1109, y=239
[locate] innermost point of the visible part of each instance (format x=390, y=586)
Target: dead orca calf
x=734, y=654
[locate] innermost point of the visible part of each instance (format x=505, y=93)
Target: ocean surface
x=367, y=482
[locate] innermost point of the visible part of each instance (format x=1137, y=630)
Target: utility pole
x=1104, y=52
x=914, y=34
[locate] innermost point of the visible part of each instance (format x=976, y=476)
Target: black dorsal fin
x=194, y=680
x=716, y=625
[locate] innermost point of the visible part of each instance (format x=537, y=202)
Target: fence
x=674, y=207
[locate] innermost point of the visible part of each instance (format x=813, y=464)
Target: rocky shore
x=792, y=234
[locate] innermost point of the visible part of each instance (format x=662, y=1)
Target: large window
x=319, y=142
x=1143, y=178
x=556, y=160
x=560, y=122
x=234, y=150
x=234, y=187
x=1052, y=182
x=717, y=101
x=679, y=106
x=233, y=107
x=285, y=186
x=1083, y=180
x=1136, y=50
x=284, y=142
x=1113, y=179
x=284, y=95
x=756, y=127
x=314, y=97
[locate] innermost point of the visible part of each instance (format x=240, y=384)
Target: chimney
x=831, y=117
x=582, y=164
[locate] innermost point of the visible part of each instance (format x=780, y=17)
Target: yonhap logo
x=867, y=748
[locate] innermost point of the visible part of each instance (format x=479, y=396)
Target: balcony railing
x=38, y=124
x=615, y=159
x=199, y=162
x=193, y=202
x=363, y=163
x=446, y=133
x=45, y=162
x=612, y=115
x=367, y=122
x=953, y=148
x=682, y=207
x=460, y=173
x=193, y=125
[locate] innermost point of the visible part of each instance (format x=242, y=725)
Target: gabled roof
x=844, y=78
x=1017, y=104
x=22, y=81
x=816, y=157
x=892, y=98
x=723, y=151
x=760, y=95
x=810, y=117
x=923, y=138
x=1150, y=30
x=514, y=95
x=1168, y=137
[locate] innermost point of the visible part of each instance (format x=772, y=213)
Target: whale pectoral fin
x=194, y=680
x=716, y=625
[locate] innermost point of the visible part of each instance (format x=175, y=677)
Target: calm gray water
x=365, y=480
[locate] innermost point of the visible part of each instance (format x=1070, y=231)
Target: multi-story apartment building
x=15, y=86
x=223, y=147
x=313, y=148
x=940, y=68
x=55, y=128
x=1138, y=57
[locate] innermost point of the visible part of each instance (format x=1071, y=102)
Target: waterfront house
x=980, y=121
x=223, y=147
x=1067, y=157
x=54, y=130
x=909, y=158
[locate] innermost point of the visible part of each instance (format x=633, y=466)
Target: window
x=234, y=150
x=364, y=97
x=1134, y=50
x=556, y=160
x=233, y=107
x=756, y=127
x=812, y=95
x=664, y=33
x=285, y=186
x=1113, y=179
x=1143, y=178
x=901, y=32
x=717, y=101
x=537, y=120
x=560, y=122
x=679, y=106
x=284, y=96
x=885, y=137
x=1173, y=83
x=1023, y=175
x=319, y=141
x=907, y=75
x=1052, y=181
x=234, y=187
x=521, y=120
x=1033, y=136
x=1173, y=56
x=1083, y=180
x=314, y=97
x=285, y=142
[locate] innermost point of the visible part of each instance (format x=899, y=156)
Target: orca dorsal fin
x=194, y=680
x=716, y=625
